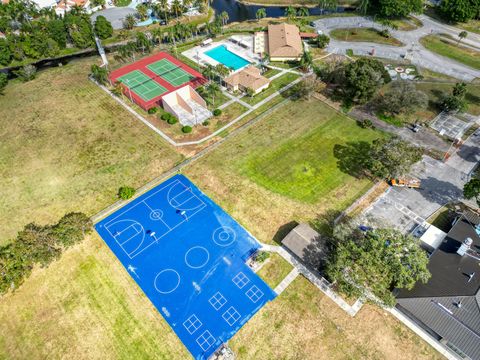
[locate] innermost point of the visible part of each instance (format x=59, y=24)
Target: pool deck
x=197, y=53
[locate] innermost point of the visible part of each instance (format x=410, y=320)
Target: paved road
x=415, y=52
x=441, y=183
x=115, y=15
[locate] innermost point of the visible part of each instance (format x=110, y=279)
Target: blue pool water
x=227, y=58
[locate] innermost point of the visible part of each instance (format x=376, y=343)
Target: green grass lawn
x=407, y=24
x=459, y=53
x=305, y=168
x=275, y=85
x=121, y=3
x=271, y=72
x=215, y=102
x=472, y=25
x=275, y=270
x=231, y=112
x=66, y=145
x=283, y=168
x=436, y=91
x=363, y=35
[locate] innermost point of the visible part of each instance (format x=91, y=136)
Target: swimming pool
x=227, y=58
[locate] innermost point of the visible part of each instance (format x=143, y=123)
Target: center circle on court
x=156, y=214
x=224, y=236
x=197, y=257
x=167, y=281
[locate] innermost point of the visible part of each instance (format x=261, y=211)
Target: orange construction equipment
x=410, y=183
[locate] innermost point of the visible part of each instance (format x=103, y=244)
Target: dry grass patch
x=84, y=306
x=302, y=323
x=65, y=145
x=275, y=270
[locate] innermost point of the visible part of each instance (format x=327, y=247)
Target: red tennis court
x=146, y=81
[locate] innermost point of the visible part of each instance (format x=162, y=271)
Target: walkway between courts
x=316, y=280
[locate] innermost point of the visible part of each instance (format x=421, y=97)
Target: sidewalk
x=316, y=280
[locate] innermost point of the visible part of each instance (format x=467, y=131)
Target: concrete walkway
x=320, y=282
x=231, y=123
x=411, y=50
x=287, y=281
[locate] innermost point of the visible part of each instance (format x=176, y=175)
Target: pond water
x=240, y=12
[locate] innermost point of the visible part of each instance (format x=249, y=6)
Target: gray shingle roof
x=435, y=304
x=306, y=244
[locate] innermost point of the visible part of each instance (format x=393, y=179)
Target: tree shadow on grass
x=434, y=105
x=352, y=157
x=471, y=98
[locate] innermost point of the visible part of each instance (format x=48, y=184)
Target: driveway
x=442, y=182
x=412, y=48
x=115, y=15
x=424, y=138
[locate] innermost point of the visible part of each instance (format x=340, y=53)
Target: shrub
x=384, y=33
x=172, y=120
x=165, y=116
x=152, y=110
x=322, y=41
x=206, y=123
x=126, y=192
x=365, y=124
x=217, y=112
x=187, y=129
x=262, y=256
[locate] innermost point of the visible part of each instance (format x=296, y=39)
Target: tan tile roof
x=250, y=77
x=71, y=3
x=284, y=41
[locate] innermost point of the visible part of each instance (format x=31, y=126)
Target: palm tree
x=328, y=4
x=187, y=3
x=129, y=22
x=100, y=74
x=222, y=71
x=142, y=11
x=462, y=36
x=124, y=51
x=303, y=12
x=117, y=89
x=261, y=13
x=363, y=6
x=176, y=7
x=212, y=89
x=224, y=18
x=208, y=71
x=290, y=12
x=172, y=36
x=306, y=61
x=162, y=6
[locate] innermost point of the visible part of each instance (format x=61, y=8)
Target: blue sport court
x=188, y=256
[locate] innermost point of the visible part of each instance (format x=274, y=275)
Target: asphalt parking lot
x=405, y=208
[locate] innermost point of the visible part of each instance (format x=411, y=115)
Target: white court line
x=134, y=222
x=176, y=182
x=180, y=206
x=152, y=210
x=170, y=290
x=192, y=324
x=205, y=251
